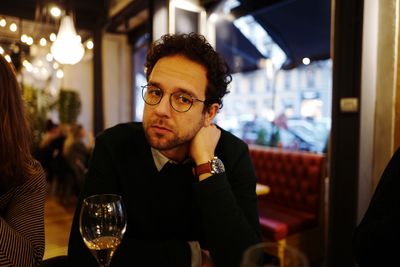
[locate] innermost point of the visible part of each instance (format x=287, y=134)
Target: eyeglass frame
x=144, y=88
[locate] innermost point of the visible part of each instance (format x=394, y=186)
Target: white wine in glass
x=102, y=225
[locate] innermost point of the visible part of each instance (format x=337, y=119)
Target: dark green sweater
x=168, y=208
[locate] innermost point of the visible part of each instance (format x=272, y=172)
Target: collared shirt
x=160, y=160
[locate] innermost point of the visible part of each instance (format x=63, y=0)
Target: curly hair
x=194, y=47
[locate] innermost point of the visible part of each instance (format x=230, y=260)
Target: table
x=262, y=189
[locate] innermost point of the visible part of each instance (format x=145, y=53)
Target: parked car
x=263, y=132
x=315, y=132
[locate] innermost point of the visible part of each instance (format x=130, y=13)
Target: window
x=287, y=80
x=310, y=78
x=268, y=97
x=139, y=77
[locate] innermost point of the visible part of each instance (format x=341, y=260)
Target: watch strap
x=213, y=166
x=203, y=168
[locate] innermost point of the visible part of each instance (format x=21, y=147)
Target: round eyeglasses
x=179, y=101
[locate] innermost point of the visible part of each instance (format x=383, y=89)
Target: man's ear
x=210, y=114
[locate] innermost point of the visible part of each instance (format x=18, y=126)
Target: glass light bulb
x=67, y=48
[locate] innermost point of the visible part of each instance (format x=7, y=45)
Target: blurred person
x=188, y=185
x=76, y=153
x=52, y=131
x=22, y=180
x=376, y=239
x=50, y=146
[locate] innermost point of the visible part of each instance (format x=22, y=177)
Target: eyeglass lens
x=179, y=101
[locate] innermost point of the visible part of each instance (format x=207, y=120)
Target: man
x=188, y=186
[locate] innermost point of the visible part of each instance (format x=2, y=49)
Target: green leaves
x=69, y=106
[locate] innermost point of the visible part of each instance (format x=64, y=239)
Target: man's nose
x=164, y=107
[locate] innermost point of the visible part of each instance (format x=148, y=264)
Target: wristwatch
x=213, y=166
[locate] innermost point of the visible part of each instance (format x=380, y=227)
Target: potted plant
x=69, y=106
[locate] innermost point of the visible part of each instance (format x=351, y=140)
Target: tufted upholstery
x=294, y=178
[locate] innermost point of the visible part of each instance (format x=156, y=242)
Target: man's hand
x=203, y=145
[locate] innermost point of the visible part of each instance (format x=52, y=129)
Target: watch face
x=217, y=166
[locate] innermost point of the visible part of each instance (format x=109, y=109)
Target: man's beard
x=171, y=140
x=161, y=142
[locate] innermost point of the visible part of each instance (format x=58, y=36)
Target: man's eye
x=185, y=99
x=154, y=92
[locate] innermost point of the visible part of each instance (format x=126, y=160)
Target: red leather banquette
x=294, y=201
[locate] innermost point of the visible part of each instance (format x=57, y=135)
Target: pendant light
x=67, y=48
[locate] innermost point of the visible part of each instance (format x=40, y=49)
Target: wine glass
x=102, y=225
x=271, y=254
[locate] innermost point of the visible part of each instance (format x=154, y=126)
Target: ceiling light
x=55, y=11
x=13, y=27
x=49, y=57
x=306, y=61
x=24, y=38
x=43, y=41
x=28, y=66
x=29, y=40
x=89, y=44
x=41, y=68
x=1, y=50
x=60, y=74
x=53, y=37
x=3, y=23
x=67, y=48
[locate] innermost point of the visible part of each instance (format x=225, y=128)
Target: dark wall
x=347, y=48
x=98, y=108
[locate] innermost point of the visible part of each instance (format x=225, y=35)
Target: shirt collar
x=160, y=160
